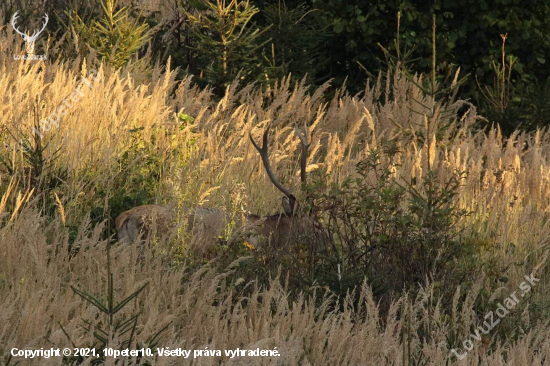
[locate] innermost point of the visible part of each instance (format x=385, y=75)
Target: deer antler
x=265, y=159
x=305, y=150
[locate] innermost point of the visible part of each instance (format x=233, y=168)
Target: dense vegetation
x=426, y=210
x=502, y=44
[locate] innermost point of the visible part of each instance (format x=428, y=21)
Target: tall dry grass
x=203, y=311
x=211, y=162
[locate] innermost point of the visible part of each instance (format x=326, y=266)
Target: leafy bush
x=398, y=236
x=137, y=182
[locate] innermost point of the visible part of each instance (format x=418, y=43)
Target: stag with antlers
x=257, y=230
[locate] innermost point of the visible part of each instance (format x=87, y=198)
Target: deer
x=258, y=230
x=29, y=39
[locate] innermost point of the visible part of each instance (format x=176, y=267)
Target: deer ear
x=288, y=206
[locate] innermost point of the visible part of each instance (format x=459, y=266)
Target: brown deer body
x=209, y=223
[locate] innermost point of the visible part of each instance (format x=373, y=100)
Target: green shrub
x=112, y=326
x=227, y=42
x=397, y=236
x=294, y=41
x=113, y=35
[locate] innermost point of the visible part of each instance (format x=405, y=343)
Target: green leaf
x=338, y=26
x=184, y=117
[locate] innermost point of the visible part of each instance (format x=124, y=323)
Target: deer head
x=29, y=39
